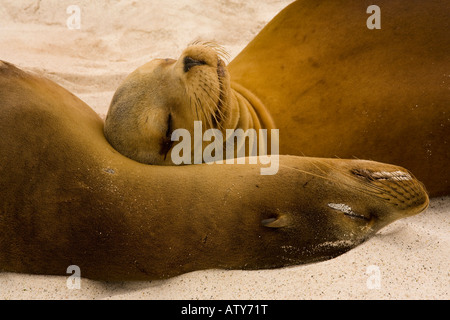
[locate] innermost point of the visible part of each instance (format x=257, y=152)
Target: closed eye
x=166, y=142
x=169, y=127
x=189, y=63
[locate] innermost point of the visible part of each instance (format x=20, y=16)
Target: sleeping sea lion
x=69, y=198
x=166, y=94
x=332, y=86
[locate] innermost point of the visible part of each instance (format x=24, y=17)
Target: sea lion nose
x=190, y=62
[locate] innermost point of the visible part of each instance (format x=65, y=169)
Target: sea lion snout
x=367, y=194
x=396, y=187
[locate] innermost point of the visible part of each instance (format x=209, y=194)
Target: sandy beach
x=91, y=55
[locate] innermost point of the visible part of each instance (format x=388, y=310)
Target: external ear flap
x=279, y=222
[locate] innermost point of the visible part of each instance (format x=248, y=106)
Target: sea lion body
x=336, y=88
x=69, y=198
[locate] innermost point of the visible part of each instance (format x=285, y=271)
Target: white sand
x=412, y=255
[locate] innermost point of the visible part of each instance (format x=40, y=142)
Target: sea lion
x=166, y=94
x=69, y=198
x=334, y=88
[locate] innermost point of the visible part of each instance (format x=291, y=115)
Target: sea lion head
x=343, y=203
x=166, y=94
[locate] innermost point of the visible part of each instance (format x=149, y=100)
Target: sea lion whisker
x=306, y=172
x=207, y=119
x=190, y=102
x=219, y=49
x=217, y=98
x=210, y=107
x=213, y=108
x=198, y=102
x=361, y=189
x=196, y=108
x=336, y=181
x=344, y=172
x=216, y=120
x=350, y=175
x=315, y=165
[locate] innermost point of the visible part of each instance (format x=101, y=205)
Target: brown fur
x=337, y=89
x=161, y=91
x=69, y=198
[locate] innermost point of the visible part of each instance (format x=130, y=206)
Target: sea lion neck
x=252, y=112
